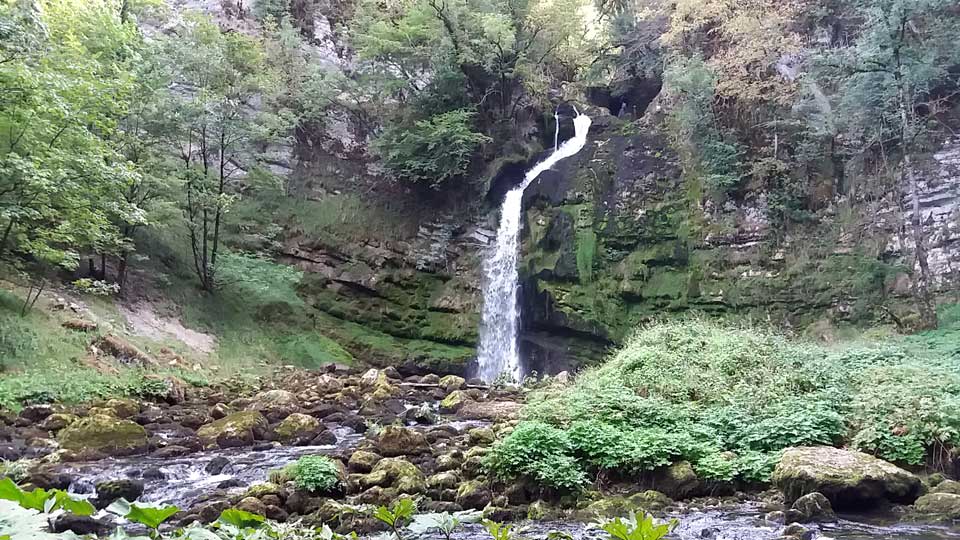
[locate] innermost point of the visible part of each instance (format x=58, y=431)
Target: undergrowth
x=729, y=399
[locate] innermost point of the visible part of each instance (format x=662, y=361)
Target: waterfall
x=498, y=352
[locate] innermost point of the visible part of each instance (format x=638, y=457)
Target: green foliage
x=241, y=519
x=730, y=398
x=398, y=516
x=44, y=501
x=636, y=528
x=316, y=474
x=540, y=452
x=498, y=531
x=149, y=516
x=433, y=151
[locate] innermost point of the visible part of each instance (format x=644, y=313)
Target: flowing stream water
x=498, y=352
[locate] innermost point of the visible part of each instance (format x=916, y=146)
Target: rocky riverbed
x=207, y=449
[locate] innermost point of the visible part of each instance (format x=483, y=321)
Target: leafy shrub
x=538, y=451
x=432, y=151
x=316, y=474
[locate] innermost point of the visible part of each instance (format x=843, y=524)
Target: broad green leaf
x=241, y=519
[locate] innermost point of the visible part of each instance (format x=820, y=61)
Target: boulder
x=947, y=486
x=123, y=408
x=849, y=479
x=474, y=494
x=362, y=461
x=327, y=384
x=58, y=421
x=494, y=411
x=940, y=506
x=111, y=490
x=297, y=429
x=452, y=382
x=237, y=429
x=252, y=505
x=678, y=480
x=481, y=436
x=400, y=474
x=275, y=405
x=104, y=434
x=444, y=480
x=812, y=507
x=168, y=388
x=454, y=401
x=400, y=441
x=36, y=413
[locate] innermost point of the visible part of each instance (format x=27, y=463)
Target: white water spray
x=498, y=352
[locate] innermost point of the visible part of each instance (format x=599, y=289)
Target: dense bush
x=431, y=151
x=540, y=452
x=316, y=474
x=729, y=399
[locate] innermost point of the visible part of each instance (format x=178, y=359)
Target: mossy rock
x=297, y=428
x=237, y=429
x=398, y=473
x=275, y=404
x=678, y=480
x=258, y=491
x=104, y=434
x=362, y=461
x=123, y=408
x=474, y=494
x=58, y=421
x=454, y=401
x=400, y=441
x=849, y=479
x=939, y=506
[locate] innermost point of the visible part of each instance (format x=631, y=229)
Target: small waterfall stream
x=498, y=352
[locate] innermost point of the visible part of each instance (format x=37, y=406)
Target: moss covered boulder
x=400, y=441
x=104, y=434
x=939, y=506
x=474, y=494
x=399, y=474
x=123, y=408
x=297, y=429
x=362, y=461
x=678, y=480
x=850, y=480
x=275, y=405
x=454, y=401
x=452, y=382
x=237, y=429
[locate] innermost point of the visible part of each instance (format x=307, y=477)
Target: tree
x=62, y=90
x=890, y=75
x=218, y=118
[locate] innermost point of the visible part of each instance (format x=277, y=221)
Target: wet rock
x=252, y=505
x=850, y=480
x=454, y=401
x=216, y=465
x=154, y=473
x=797, y=531
x=391, y=372
x=947, y=486
x=82, y=525
x=211, y=510
x=149, y=414
x=474, y=494
x=813, y=507
x=259, y=491
x=237, y=429
x=481, y=436
x=422, y=415
x=398, y=473
x=275, y=405
x=123, y=408
x=171, y=451
x=324, y=438
x=451, y=383
x=444, y=480
x=327, y=384
x=430, y=378
x=303, y=503
x=775, y=518
x=939, y=506
x=494, y=411
x=111, y=490
x=49, y=479
x=104, y=434
x=35, y=413
x=220, y=410
x=449, y=462
x=362, y=461
x=297, y=429
x=275, y=513
x=169, y=388
x=400, y=441
x=678, y=480
x=57, y=421
x=230, y=483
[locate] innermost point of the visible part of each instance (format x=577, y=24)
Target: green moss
x=586, y=252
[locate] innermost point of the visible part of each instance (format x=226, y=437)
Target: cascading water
x=498, y=353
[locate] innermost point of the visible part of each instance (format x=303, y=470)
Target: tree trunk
x=6, y=235
x=925, y=301
x=122, y=272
